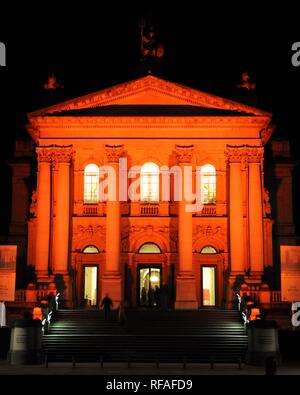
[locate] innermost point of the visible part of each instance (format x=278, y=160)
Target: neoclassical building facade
x=128, y=246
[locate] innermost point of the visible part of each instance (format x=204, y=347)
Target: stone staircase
x=148, y=336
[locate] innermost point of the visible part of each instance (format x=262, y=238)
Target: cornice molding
x=136, y=122
x=150, y=83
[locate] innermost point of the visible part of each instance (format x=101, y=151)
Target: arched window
x=91, y=184
x=208, y=184
x=150, y=183
x=149, y=248
x=208, y=250
x=90, y=250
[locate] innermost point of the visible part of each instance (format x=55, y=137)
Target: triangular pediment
x=149, y=90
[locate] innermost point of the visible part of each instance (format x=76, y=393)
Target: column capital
x=235, y=154
x=114, y=152
x=184, y=153
x=255, y=154
x=44, y=154
x=63, y=154
x=244, y=153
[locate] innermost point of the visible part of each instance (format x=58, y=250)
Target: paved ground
x=115, y=369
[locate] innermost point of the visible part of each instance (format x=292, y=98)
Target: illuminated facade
x=128, y=248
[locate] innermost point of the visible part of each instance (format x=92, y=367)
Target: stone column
x=43, y=213
x=62, y=158
x=185, y=282
x=236, y=222
x=111, y=281
x=255, y=156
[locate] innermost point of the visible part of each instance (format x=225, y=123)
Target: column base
x=186, y=293
x=112, y=286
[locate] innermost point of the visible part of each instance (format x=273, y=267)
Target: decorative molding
x=245, y=153
x=255, y=154
x=234, y=154
x=147, y=84
x=209, y=231
x=114, y=152
x=55, y=153
x=169, y=234
x=184, y=153
x=44, y=154
x=89, y=230
x=63, y=154
x=33, y=131
x=147, y=122
x=266, y=133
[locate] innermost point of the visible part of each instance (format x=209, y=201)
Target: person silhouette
x=106, y=304
x=144, y=297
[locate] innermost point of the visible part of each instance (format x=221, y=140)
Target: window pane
x=208, y=286
x=150, y=183
x=91, y=184
x=149, y=248
x=208, y=250
x=208, y=184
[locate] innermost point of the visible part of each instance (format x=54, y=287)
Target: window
x=149, y=248
x=150, y=183
x=208, y=250
x=208, y=184
x=90, y=250
x=91, y=184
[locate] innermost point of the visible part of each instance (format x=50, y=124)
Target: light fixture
x=154, y=278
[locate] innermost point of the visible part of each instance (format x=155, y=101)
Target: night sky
x=96, y=44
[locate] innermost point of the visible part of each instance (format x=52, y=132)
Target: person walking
x=106, y=304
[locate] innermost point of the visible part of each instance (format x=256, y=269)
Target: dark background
x=95, y=44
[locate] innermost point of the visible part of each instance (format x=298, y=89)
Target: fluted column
x=62, y=158
x=185, y=281
x=111, y=282
x=255, y=156
x=43, y=212
x=236, y=225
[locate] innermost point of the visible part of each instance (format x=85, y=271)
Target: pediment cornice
x=150, y=85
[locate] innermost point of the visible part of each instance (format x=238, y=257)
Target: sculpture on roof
x=151, y=50
x=52, y=83
x=246, y=83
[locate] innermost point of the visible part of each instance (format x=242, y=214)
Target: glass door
x=208, y=287
x=149, y=281
x=90, y=285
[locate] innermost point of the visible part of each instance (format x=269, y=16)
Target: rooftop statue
x=246, y=83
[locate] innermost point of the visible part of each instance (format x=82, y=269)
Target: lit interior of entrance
x=149, y=280
x=208, y=286
x=90, y=285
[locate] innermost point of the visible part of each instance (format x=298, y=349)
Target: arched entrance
x=149, y=276
x=209, y=269
x=88, y=264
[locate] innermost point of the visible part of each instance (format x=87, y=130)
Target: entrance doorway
x=90, y=285
x=208, y=286
x=149, y=284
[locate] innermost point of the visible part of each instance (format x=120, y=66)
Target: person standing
x=106, y=304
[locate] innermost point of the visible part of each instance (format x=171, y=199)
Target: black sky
x=95, y=44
